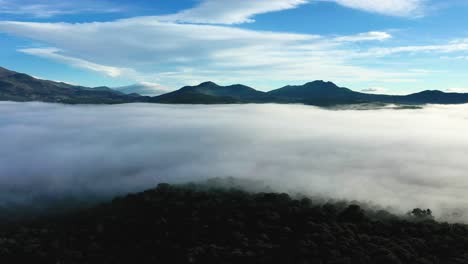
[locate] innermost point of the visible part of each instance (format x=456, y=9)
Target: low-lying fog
x=398, y=158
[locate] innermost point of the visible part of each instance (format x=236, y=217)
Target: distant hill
x=16, y=86
x=435, y=97
x=320, y=93
x=213, y=93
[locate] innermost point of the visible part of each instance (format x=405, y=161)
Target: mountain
x=16, y=86
x=327, y=93
x=210, y=92
x=434, y=97
x=5, y=72
x=320, y=93
x=317, y=89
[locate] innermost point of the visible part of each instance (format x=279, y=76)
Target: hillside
x=194, y=224
x=21, y=87
x=211, y=92
x=320, y=93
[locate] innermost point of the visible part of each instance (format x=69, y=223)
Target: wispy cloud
x=209, y=11
x=368, y=36
x=170, y=49
x=231, y=12
x=51, y=8
x=403, y=8
x=458, y=45
x=243, y=11
x=173, y=51
x=54, y=54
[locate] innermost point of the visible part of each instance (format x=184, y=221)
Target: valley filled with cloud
x=396, y=159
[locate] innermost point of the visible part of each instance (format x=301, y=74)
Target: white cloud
x=50, y=8
x=368, y=36
x=54, y=54
x=207, y=11
x=169, y=50
x=170, y=53
x=405, y=8
x=456, y=90
x=243, y=11
x=231, y=12
x=460, y=45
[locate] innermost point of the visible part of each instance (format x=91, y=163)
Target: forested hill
x=171, y=224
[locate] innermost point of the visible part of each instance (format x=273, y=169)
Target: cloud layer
x=403, y=159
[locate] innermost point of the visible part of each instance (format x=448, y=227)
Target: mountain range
x=21, y=87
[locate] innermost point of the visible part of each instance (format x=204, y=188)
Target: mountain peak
x=209, y=83
x=321, y=83
x=5, y=72
x=432, y=92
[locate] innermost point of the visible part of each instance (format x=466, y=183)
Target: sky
x=376, y=46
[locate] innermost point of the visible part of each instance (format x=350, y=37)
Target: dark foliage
x=189, y=225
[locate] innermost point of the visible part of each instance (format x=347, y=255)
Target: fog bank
x=398, y=158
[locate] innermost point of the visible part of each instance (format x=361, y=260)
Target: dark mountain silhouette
x=435, y=97
x=311, y=89
x=320, y=93
x=16, y=86
x=208, y=92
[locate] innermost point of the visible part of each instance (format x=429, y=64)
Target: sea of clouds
x=399, y=159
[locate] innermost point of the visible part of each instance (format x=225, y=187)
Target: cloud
x=402, y=159
x=51, y=8
x=368, y=36
x=208, y=11
x=54, y=54
x=456, y=90
x=243, y=11
x=170, y=49
x=230, y=12
x=170, y=53
x=459, y=45
x=404, y=8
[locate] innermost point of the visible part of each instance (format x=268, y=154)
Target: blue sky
x=380, y=46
